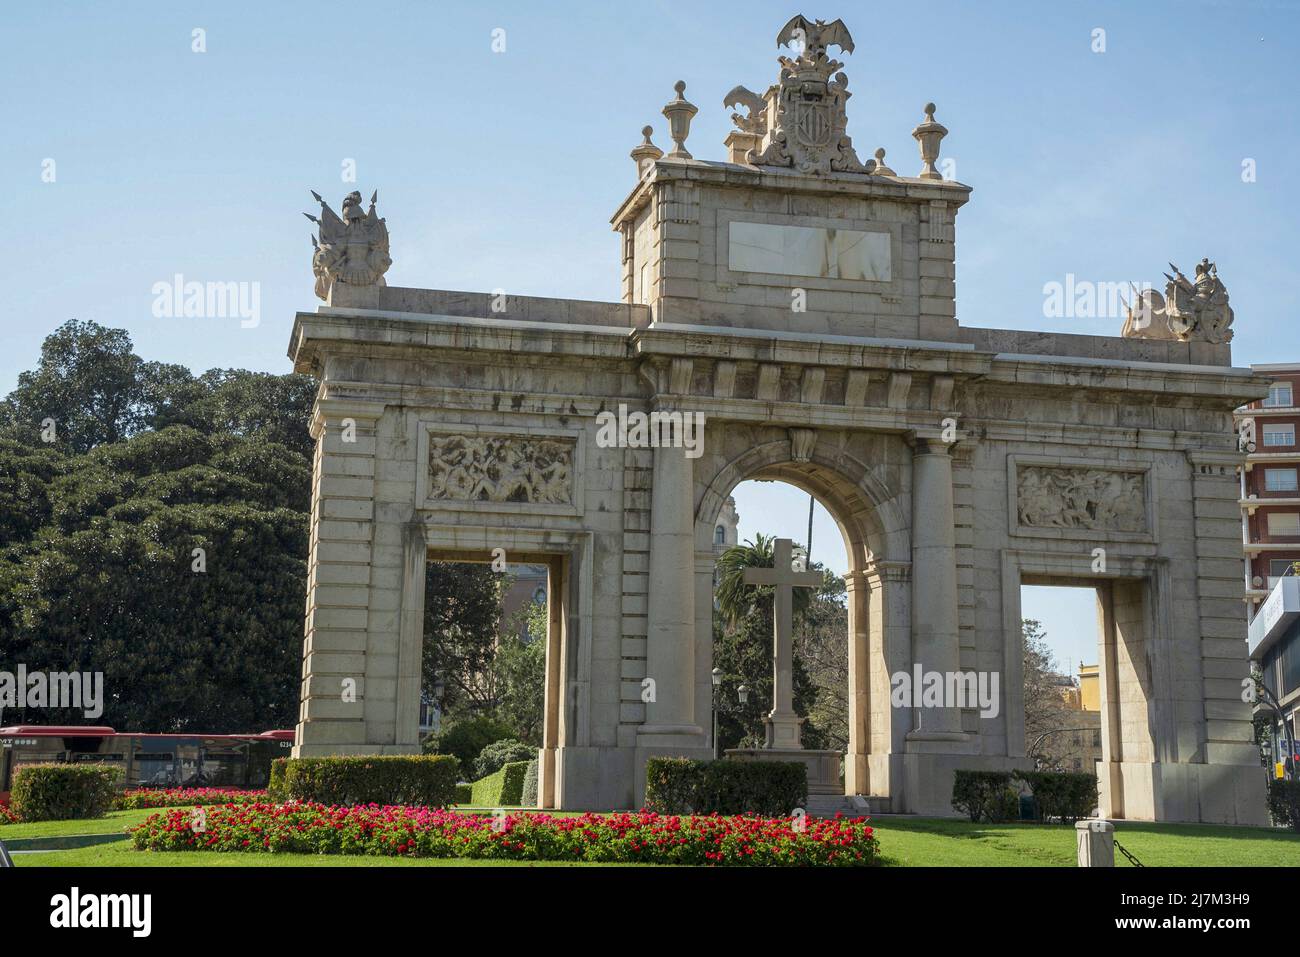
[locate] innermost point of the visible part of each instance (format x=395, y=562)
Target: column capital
x=932, y=441
x=882, y=570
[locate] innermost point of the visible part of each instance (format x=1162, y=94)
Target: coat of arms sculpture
x=800, y=121
x=1189, y=310
x=353, y=249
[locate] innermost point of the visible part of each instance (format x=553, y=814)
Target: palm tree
x=737, y=600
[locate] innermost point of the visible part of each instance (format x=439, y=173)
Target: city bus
x=147, y=760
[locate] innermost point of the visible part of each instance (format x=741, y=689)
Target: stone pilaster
x=934, y=579
x=670, y=640
x=331, y=716
x=856, y=769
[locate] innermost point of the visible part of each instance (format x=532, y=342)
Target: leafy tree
x=99, y=530
x=466, y=737
x=239, y=402
x=462, y=612
x=519, y=668
x=1046, y=708
x=88, y=382
x=25, y=476
x=821, y=644
x=735, y=598
x=187, y=640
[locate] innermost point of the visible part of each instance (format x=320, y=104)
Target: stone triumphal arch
x=800, y=304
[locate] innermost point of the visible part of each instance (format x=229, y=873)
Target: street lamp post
x=717, y=683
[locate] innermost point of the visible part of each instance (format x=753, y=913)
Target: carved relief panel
x=524, y=470
x=1075, y=499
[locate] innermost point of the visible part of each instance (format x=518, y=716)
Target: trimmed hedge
x=1064, y=795
x=505, y=788
x=464, y=793
x=61, y=792
x=529, y=796
x=1284, y=803
x=985, y=795
x=683, y=786
x=426, y=780
x=185, y=797
x=500, y=753
x=275, y=783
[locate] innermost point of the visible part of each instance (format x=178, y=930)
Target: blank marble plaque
x=815, y=251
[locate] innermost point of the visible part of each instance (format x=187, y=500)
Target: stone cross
x=783, y=723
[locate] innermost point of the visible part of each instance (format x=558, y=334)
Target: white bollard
x=1096, y=842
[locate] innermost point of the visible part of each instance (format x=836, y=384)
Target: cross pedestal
x=783, y=725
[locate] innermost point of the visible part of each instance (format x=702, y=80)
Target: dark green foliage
x=744, y=653
x=985, y=795
x=462, y=611
x=464, y=793
x=735, y=598
x=500, y=753
x=25, y=476
x=98, y=532
x=683, y=786
x=519, y=672
x=1284, y=803
x=466, y=739
x=60, y=792
x=1064, y=796
x=504, y=788
x=88, y=382
x=422, y=780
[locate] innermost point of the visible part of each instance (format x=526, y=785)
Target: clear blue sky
x=501, y=169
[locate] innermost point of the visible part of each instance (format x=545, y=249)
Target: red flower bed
x=7, y=816
x=430, y=832
x=184, y=797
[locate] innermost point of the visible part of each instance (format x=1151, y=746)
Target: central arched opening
x=755, y=514
x=839, y=657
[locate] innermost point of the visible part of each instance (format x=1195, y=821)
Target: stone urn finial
x=645, y=153
x=880, y=169
x=928, y=136
x=679, y=113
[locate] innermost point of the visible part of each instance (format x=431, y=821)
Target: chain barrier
x=1131, y=859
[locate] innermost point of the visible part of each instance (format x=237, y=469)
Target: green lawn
x=911, y=842
x=111, y=823
x=904, y=842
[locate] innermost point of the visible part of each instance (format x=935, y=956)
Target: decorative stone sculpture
x=1188, y=311
x=645, y=153
x=750, y=128
x=802, y=442
x=881, y=169
x=678, y=113
x=928, y=136
x=801, y=121
x=1098, y=499
x=498, y=468
x=352, y=249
